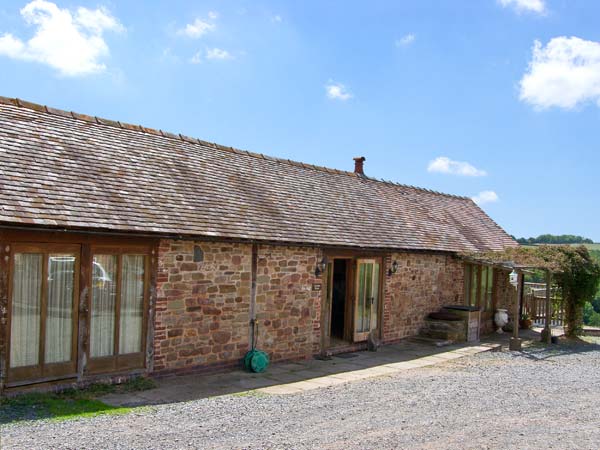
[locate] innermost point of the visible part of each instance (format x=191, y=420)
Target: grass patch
x=68, y=404
x=251, y=393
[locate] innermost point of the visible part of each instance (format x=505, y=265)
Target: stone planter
x=525, y=324
x=501, y=319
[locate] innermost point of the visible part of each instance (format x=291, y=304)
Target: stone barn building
x=126, y=250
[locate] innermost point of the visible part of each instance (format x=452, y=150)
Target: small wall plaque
x=316, y=287
x=198, y=254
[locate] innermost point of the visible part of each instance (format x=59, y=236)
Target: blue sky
x=494, y=99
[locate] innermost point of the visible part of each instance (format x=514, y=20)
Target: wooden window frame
x=482, y=288
x=119, y=362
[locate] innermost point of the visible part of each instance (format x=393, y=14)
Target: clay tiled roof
x=67, y=170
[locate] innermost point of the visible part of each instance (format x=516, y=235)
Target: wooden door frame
x=327, y=301
x=369, y=260
x=9, y=238
x=118, y=362
x=43, y=371
x=351, y=277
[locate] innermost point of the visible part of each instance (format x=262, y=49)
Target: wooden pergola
x=521, y=260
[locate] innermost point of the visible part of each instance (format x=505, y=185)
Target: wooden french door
x=366, y=304
x=119, y=298
x=43, y=297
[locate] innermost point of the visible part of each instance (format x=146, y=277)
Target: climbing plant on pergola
x=573, y=269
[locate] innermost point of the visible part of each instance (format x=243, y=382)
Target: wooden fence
x=534, y=304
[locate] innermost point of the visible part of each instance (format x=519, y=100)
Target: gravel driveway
x=539, y=399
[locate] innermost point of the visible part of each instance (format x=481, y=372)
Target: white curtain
x=59, y=315
x=104, y=295
x=132, y=304
x=26, y=308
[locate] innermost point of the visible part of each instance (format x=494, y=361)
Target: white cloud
x=406, y=40
x=167, y=55
x=217, y=53
x=210, y=53
x=197, y=58
x=535, y=6
x=485, y=197
x=564, y=73
x=337, y=91
x=213, y=15
x=198, y=27
x=442, y=164
x=276, y=19
x=71, y=43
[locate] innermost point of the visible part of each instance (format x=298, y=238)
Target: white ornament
x=501, y=319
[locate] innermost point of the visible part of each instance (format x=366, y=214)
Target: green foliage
x=57, y=406
x=591, y=316
x=579, y=281
x=575, y=271
x=136, y=384
x=68, y=404
x=594, y=253
x=536, y=276
x=555, y=239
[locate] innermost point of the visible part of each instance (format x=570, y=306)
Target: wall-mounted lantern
x=321, y=266
x=392, y=270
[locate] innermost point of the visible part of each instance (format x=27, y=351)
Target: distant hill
x=555, y=239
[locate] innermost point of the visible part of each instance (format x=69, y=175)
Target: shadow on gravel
x=184, y=388
x=538, y=351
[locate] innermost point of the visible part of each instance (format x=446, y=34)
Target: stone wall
x=202, y=308
x=422, y=284
x=506, y=293
x=288, y=309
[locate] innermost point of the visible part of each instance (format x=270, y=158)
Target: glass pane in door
x=482, y=286
x=360, y=307
x=104, y=298
x=59, y=312
x=366, y=326
x=132, y=304
x=490, y=289
x=367, y=298
x=474, y=285
x=26, y=310
x=375, y=297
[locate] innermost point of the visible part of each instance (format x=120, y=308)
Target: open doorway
x=338, y=303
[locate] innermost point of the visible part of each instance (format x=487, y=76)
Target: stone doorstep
x=376, y=371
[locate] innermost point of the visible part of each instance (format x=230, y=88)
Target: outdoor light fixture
x=321, y=266
x=393, y=269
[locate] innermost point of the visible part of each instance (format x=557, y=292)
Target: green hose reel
x=256, y=360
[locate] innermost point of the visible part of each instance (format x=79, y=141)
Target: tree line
x=554, y=239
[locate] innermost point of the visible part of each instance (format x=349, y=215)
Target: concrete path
x=300, y=376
